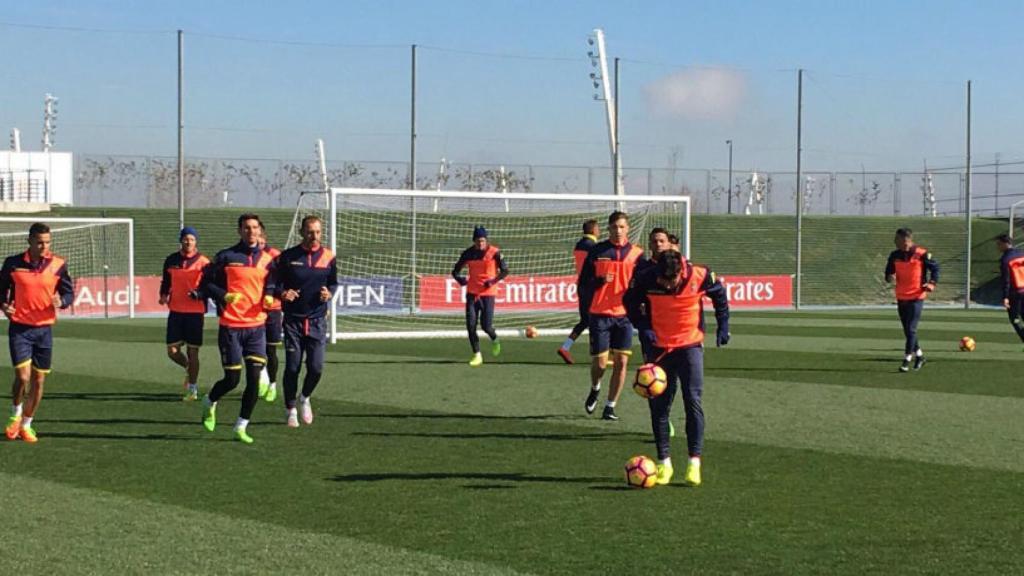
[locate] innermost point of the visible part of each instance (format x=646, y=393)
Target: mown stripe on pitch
x=933, y=427
x=66, y=529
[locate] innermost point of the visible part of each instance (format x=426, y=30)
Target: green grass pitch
x=820, y=459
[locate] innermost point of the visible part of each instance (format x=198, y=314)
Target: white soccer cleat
x=293, y=418
x=306, y=407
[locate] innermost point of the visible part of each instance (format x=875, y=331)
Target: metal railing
x=24, y=186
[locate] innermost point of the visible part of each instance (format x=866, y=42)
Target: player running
x=486, y=269
x=240, y=280
x=307, y=277
x=1011, y=270
x=606, y=273
x=668, y=300
x=183, y=271
x=275, y=334
x=915, y=274
x=579, y=253
x=33, y=284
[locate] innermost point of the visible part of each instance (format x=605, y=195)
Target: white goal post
x=100, y=255
x=396, y=249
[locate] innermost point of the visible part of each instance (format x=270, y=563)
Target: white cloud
x=703, y=94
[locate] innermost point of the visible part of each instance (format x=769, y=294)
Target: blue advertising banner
x=369, y=295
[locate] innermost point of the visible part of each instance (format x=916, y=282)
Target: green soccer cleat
x=264, y=386
x=271, y=393
x=496, y=348
x=191, y=394
x=13, y=427
x=476, y=360
x=665, y=472
x=242, y=436
x=692, y=477
x=28, y=434
x=209, y=416
x=671, y=430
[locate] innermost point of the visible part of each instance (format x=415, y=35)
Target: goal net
x=396, y=249
x=100, y=258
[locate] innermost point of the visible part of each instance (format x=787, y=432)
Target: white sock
x=26, y=422
x=596, y=386
x=695, y=461
x=192, y=386
x=273, y=384
x=667, y=462
x=292, y=412
x=610, y=404
x=909, y=357
x=16, y=410
x=920, y=352
x=568, y=343
x=241, y=424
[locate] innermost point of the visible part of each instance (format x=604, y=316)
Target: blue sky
x=884, y=86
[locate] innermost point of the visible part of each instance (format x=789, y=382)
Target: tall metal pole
x=729, y=189
x=799, y=188
x=412, y=186
x=609, y=103
x=181, y=130
x=617, y=168
x=967, y=205
x=412, y=126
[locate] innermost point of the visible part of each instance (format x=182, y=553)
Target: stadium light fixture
x=49, y=121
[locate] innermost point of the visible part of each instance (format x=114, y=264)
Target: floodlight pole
x=617, y=168
x=609, y=108
x=181, y=130
x=967, y=205
x=799, y=188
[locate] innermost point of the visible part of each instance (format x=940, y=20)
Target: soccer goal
x=396, y=250
x=100, y=255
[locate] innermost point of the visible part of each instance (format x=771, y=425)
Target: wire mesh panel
x=396, y=251
x=99, y=255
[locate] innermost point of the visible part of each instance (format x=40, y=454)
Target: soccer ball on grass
x=967, y=344
x=641, y=472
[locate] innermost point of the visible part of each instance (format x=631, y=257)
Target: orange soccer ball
x=641, y=472
x=967, y=344
x=531, y=332
x=650, y=381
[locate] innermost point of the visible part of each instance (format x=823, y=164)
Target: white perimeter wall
x=58, y=167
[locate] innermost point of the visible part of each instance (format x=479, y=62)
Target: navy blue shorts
x=275, y=327
x=185, y=328
x=30, y=344
x=610, y=333
x=240, y=344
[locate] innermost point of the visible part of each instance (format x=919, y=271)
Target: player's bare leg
x=177, y=356
x=598, y=366
x=18, y=387
x=617, y=382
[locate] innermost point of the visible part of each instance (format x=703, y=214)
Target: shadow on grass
x=431, y=416
x=492, y=476
x=105, y=421
x=727, y=370
x=83, y=436
x=407, y=361
x=115, y=396
x=503, y=436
